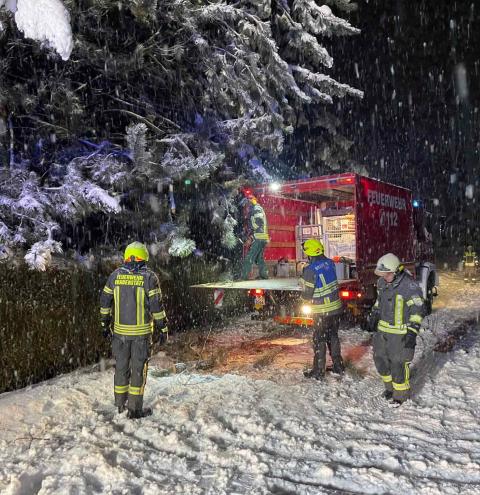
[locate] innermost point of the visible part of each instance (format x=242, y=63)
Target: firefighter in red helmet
x=258, y=230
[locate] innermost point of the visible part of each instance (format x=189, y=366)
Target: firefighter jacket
x=470, y=258
x=320, y=286
x=257, y=223
x=134, y=292
x=400, y=305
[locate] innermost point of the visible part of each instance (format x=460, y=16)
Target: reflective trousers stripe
x=406, y=384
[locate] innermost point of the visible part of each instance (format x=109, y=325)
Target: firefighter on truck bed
x=395, y=318
x=258, y=230
x=321, y=299
x=134, y=292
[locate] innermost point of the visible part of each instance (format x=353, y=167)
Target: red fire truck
x=358, y=219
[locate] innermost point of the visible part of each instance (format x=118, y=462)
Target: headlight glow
x=306, y=309
x=275, y=186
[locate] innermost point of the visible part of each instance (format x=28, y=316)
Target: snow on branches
x=206, y=90
x=39, y=256
x=186, y=156
x=137, y=144
x=32, y=212
x=46, y=21
x=320, y=19
x=181, y=247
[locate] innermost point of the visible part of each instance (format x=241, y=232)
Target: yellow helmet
x=138, y=250
x=388, y=263
x=313, y=247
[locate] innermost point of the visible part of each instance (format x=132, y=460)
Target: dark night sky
x=418, y=63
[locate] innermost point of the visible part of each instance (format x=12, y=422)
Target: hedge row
x=49, y=320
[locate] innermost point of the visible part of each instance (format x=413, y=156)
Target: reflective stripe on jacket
x=470, y=258
x=136, y=298
x=258, y=223
x=399, y=304
x=321, y=286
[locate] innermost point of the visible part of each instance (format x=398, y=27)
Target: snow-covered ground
x=264, y=431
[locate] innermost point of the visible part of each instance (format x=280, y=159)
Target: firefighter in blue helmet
x=258, y=230
x=396, y=317
x=321, y=299
x=133, y=291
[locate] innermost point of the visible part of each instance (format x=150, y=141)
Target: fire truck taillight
x=256, y=292
x=350, y=294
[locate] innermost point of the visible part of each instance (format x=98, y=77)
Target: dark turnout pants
x=470, y=273
x=131, y=364
x=325, y=335
x=255, y=256
x=392, y=360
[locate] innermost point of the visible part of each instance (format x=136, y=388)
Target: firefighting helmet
x=388, y=263
x=138, y=250
x=470, y=248
x=248, y=197
x=313, y=247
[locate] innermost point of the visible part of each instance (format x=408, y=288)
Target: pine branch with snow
x=206, y=91
x=181, y=247
x=320, y=20
x=137, y=144
x=229, y=239
x=39, y=256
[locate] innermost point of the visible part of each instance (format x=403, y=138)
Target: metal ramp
x=279, y=284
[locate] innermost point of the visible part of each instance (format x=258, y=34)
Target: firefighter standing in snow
x=396, y=317
x=134, y=292
x=257, y=228
x=320, y=293
x=470, y=265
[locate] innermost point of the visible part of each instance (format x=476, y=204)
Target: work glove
x=372, y=320
x=410, y=339
x=160, y=331
x=106, y=330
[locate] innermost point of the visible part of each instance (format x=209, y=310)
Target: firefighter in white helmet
x=395, y=318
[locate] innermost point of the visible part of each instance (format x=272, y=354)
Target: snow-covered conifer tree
x=199, y=92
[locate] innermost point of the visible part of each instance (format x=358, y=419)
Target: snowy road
x=264, y=431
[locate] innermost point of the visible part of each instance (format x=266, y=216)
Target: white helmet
x=388, y=263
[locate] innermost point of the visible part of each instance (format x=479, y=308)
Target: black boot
x=313, y=373
x=387, y=394
x=338, y=367
x=318, y=369
x=139, y=413
x=121, y=408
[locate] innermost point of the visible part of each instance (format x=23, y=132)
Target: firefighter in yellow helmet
x=133, y=291
x=321, y=299
x=470, y=265
x=395, y=318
